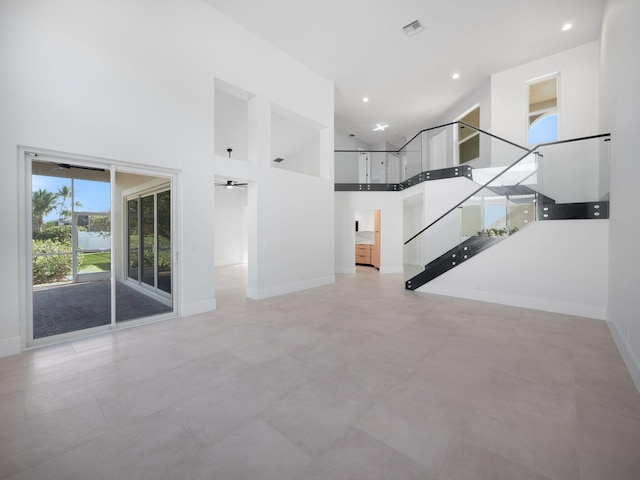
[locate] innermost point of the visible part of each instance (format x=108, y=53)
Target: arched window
x=544, y=129
x=542, y=110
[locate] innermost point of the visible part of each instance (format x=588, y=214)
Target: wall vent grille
x=413, y=28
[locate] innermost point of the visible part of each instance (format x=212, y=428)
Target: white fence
x=94, y=240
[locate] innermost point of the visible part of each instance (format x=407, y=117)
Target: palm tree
x=64, y=193
x=42, y=204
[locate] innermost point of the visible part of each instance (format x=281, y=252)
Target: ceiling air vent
x=413, y=28
x=278, y=160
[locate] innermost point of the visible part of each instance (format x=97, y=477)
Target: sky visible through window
x=93, y=196
x=545, y=129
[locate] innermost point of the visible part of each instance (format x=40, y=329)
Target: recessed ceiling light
x=365, y=99
x=455, y=76
x=566, y=26
x=380, y=127
x=413, y=28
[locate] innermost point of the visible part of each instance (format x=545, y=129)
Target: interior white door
x=364, y=167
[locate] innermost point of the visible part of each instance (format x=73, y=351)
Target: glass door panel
x=148, y=288
x=164, y=241
x=71, y=265
x=148, y=234
x=133, y=255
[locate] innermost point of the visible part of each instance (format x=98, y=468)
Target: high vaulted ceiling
x=360, y=45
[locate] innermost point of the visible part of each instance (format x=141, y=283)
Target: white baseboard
x=352, y=269
x=10, y=346
x=631, y=361
x=196, y=308
x=260, y=294
x=588, y=311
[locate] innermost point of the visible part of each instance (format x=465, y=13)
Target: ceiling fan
x=231, y=184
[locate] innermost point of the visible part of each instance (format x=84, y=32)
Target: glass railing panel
x=485, y=213
x=575, y=171
x=426, y=248
x=438, y=148
x=385, y=167
x=471, y=222
x=524, y=172
x=349, y=167
x=411, y=158
x=367, y=167
x=521, y=215
x=485, y=217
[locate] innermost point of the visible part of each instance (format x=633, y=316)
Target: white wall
x=558, y=266
x=296, y=141
x=366, y=220
x=620, y=115
x=578, y=94
x=345, y=142
x=391, y=214
x=231, y=128
x=294, y=238
x=134, y=82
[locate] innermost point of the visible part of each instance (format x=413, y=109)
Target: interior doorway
x=231, y=240
x=368, y=242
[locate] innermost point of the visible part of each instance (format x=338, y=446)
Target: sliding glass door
x=87, y=266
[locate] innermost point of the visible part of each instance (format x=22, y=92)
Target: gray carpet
x=68, y=308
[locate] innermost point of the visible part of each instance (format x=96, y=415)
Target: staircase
x=522, y=204
x=476, y=244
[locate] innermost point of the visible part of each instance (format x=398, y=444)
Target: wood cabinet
x=363, y=254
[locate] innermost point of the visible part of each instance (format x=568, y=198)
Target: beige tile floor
x=357, y=380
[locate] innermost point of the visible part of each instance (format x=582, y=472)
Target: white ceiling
x=361, y=47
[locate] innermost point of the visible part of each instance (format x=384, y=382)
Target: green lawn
x=95, y=262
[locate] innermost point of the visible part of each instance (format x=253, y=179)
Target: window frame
x=539, y=114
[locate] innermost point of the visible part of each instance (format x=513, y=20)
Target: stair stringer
x=559, y=266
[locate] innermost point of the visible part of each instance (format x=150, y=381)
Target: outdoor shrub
x=149, y=257
x=164, y=260
x=49, y=267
